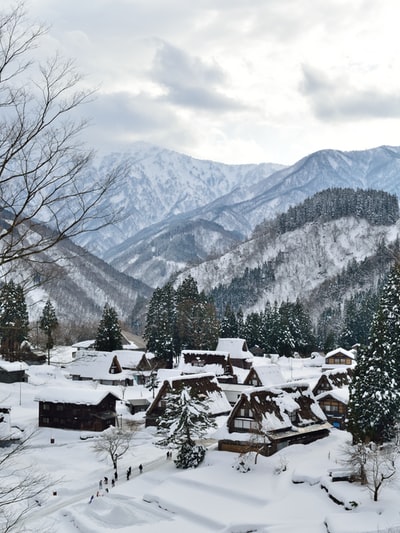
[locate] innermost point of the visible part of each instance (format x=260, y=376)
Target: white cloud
x=270, y=80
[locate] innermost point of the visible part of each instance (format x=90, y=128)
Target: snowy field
x=280, y=494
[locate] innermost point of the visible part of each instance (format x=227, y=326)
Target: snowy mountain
x=160, y=184
x=234, y=198
x=177, y=212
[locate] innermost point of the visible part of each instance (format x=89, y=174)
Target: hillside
x=276, y=265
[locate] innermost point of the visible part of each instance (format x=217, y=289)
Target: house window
x=240, y=423
x=46, y=420
x=46, y=407
x=254, y=382
x=334, y=407
x=60, y=407
x=246, y=412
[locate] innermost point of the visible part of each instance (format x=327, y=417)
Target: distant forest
x=377, y=207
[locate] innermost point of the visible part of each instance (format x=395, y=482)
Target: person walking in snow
x=140, y=468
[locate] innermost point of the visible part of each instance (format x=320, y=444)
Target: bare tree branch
x=44, y=169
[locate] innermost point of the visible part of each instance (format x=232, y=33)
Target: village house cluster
x=265, y=405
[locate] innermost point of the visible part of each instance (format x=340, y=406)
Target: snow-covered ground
x=280, y=494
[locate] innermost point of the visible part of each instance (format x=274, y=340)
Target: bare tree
x=42, y=160
x=372, y=465
x=21, y=486
x=113, y=443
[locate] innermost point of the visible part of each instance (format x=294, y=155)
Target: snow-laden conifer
x=186, y=418
x=374, y=392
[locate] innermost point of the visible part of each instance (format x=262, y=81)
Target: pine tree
x=229, y=324
x=374, y=392
x=14, y=320
x=160, y=329
x=109, y=335
x=196, y=321
x=186, y=418
x=48, y=323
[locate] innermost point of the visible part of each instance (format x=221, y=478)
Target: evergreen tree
x=251, y=330
x=229, y=325
x=357, y=318
x=187, y=303
x=109, y=335
x=186, y=418
x=14, y=320
x=196, y=321
x=296, y=325
x=374, y=392
x=160, y=329
x=48, y=323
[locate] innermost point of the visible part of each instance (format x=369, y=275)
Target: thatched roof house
x=267, y=419
x=205, y=384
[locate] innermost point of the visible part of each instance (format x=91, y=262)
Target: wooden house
x=102, y=367
x=334, y=404
x=210, y=362
x=264, y=376
x=336, y=378
x=14, y=372
x=240, y=355
x=206, y=384
x=339, y=357
x=267, y=419
x=82, y=409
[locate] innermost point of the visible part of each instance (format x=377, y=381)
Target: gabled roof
x=130, y=359
x=237, y=348
x=335, y=378
x=200, y=384
x=268, y=375
x=340, y=351
x=340, y=395
x=211, y=362
x=74, y=395
x=97, y=365
x=272, y=406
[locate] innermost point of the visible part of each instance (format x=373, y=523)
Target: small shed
x=13, y=372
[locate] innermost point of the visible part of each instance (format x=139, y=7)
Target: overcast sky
x=236, y=81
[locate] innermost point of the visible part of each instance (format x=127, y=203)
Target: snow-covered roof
x=237, y=348
x=347, y=353
x=84, y=344
x=341, y=395
x=270, y=374
x=14, y=366
x=272, y=406
x=129, y=358
x=75, y=395
x=96, y=365
x=206, y=383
